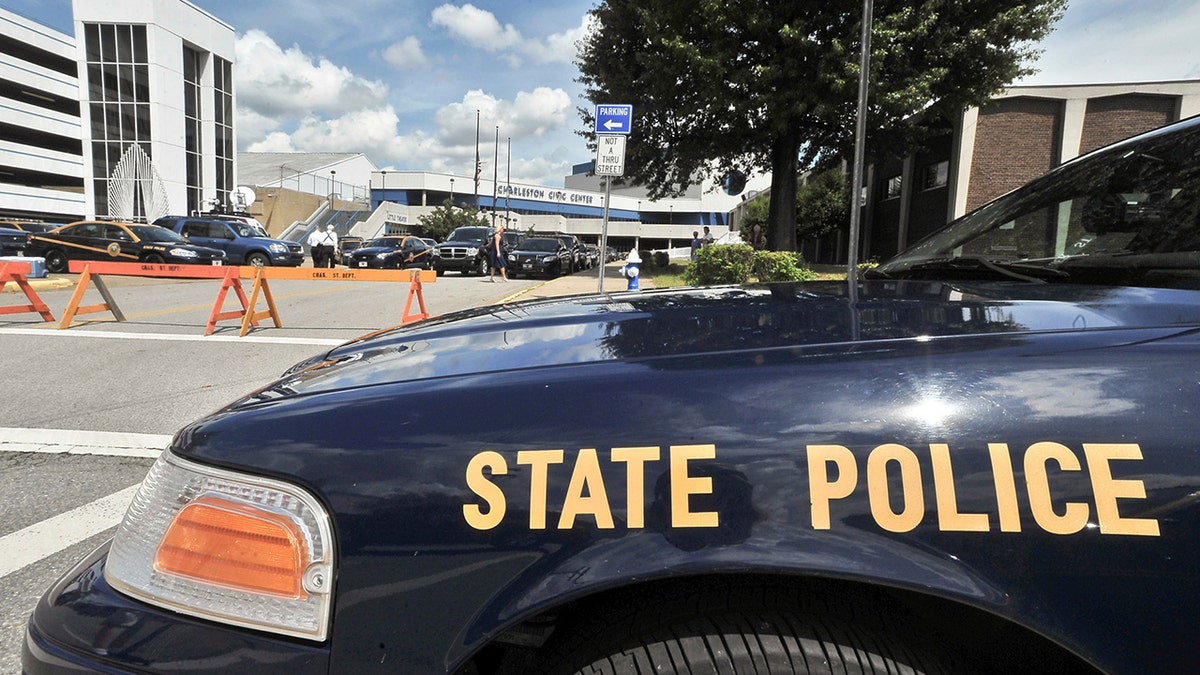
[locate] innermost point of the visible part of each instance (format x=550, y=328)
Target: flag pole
x=495, y=173
x=478, y=166
x=508, y=184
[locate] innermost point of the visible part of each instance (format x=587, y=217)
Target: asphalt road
x=86, y=409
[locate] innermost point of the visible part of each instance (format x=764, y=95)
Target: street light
x=452, y=192
x=332, y=186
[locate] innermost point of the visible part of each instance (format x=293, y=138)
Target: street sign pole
x=613, y=124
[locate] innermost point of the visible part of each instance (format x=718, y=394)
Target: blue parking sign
x=614, y=119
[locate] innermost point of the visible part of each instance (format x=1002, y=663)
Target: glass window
x=936, y=175
x=893, y=187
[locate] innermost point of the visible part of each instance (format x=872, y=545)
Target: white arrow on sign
x=613, y=124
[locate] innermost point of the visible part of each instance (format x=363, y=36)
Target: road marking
x=77, y=442
x=44, y=539
x=116, y=335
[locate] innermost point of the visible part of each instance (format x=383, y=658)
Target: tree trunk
x=785, y=165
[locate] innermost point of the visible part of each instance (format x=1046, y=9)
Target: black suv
x=465, y=250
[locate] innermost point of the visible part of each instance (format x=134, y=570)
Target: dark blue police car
x=980, y=459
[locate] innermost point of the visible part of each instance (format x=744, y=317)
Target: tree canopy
x=444, y=219
x=772, y=85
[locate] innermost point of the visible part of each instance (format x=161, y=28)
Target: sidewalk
x=582, y=282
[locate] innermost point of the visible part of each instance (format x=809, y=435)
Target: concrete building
x=131, y=117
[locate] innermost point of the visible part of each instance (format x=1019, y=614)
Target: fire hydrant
x=630, y=270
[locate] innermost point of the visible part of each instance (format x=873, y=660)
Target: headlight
x=547, y=259
x=227, y=547
x=381, y=256
x=473, y=250
x=512, y=258
x=276, y=248
x=183, y=253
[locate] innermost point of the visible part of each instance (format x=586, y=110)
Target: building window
x=936, y=175
x=193, y=69
x=892, y=187
x=223, y=118
x=118, y=87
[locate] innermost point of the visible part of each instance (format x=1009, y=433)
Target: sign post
x=613, y=124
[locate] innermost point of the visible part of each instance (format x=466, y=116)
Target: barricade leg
x=109, y=305
x=414, y=289
x=260, y=285
x=35, y=302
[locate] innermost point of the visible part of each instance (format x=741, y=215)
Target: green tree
x=822, y=204
x=442, y=220
x=773, y=86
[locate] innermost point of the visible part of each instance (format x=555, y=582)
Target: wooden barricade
x=91, y=273
x=15, y=272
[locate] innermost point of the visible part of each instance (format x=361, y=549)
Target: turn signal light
x=236, y=545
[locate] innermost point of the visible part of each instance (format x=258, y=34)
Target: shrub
x=720, y=264
x=781, y=266
x=662, y=259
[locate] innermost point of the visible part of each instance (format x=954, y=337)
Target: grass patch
x=666, y=277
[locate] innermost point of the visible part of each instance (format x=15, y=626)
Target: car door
x=207, y=233
x=119, y=245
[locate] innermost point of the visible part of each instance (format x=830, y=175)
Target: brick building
x=986, y=152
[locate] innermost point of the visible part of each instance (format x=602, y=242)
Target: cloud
x=275, y=82
x=481, y=29
x=405, y=54
x=1085, y=47
x=476, y=27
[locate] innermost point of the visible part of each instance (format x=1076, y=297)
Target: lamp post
x=332, y=186
x=382, y=186
x=451, y=193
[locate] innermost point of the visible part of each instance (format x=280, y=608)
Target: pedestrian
x=329, y=242
x=696, y=243
x=757, y=240
x=707, y=239
x=316, y=247
x=497, y=255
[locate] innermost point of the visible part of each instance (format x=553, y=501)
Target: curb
x=49, y=284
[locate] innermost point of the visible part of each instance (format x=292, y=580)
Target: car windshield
x=471, y=234
x=159, y=234
x=387, y=242
x=540, y=245
x=1128, y=214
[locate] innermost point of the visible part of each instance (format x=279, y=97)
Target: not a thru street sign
x=610, y=155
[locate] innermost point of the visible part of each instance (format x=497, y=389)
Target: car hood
x=372, y=250
x=463, y=243
x=676, y=327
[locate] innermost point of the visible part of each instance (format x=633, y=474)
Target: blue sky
x=401, y=80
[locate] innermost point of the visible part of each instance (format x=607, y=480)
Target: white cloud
x=476, y=27
x=406, y=54
x=1101, y=43
x=275, y=82
x=481, y=29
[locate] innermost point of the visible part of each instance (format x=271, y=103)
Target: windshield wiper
x=1032, y=273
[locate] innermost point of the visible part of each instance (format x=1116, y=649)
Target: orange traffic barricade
x=15, y=271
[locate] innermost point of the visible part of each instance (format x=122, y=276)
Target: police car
x=980, y=459
x=116, y=241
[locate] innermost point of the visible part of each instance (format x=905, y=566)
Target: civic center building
x=131, y=115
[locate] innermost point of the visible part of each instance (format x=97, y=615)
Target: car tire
x=482, y=267
x=153, y=259
x=258, y=260
x=749, y=629
x=56, y=261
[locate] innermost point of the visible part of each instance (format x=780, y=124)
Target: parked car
x=392, y=252
x=243, y=243
x=578, y=254
x=115, y=241
x=464, y=251
x=541, y=256
x=345, y=247
x=979, y=459
x=31, y=226
x=13, y=242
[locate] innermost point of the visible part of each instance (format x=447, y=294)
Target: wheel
x=481, y=266
x=153, y=259
x=56, y=261
x=752, y=629
x=257, y=259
